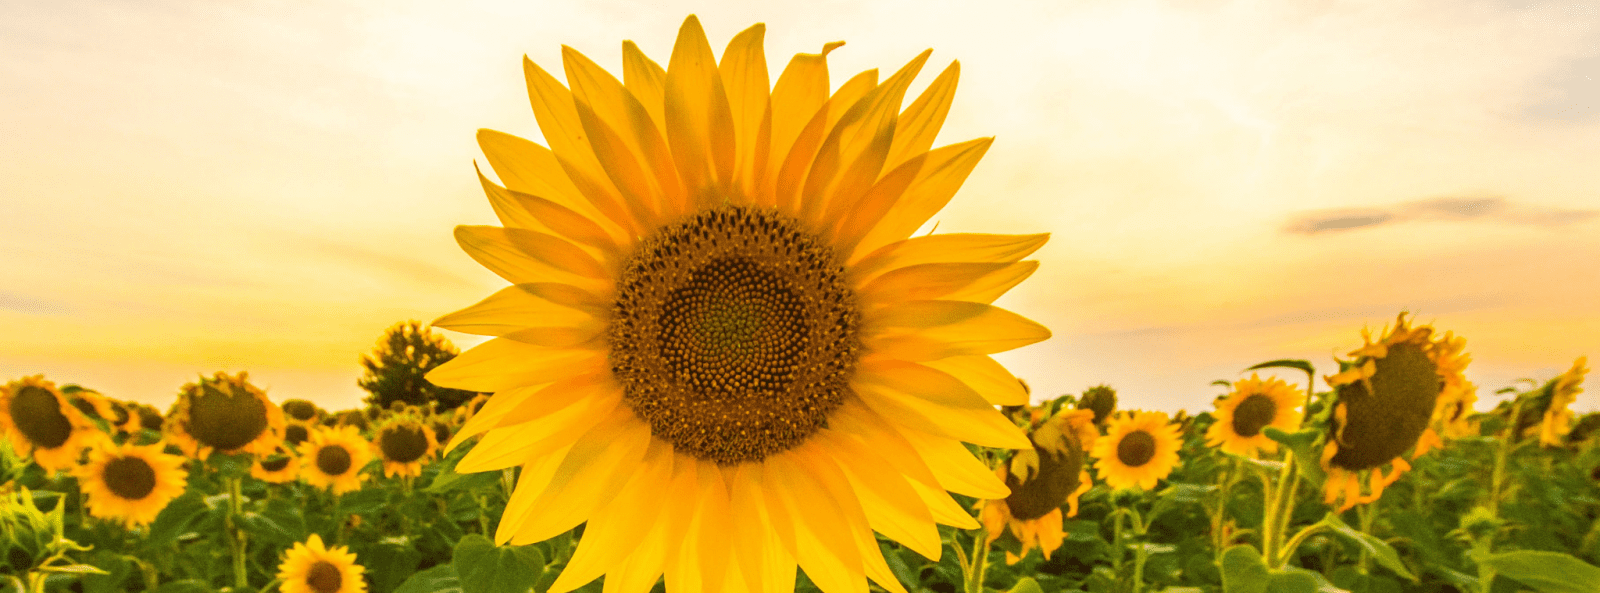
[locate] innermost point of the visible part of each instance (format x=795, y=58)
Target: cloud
x=15, y=302
x=1312, y=222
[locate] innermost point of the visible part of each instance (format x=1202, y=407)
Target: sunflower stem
x=980, y=562
x=1367, y=513
x=236, y=536
x=271, y=584
x=1218, y=517
x=1139, y=553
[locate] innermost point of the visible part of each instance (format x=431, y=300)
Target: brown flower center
x=37, y=414
x=1136, y=448
x=1385, y=422
x=734, y=334
x=295, y=434
x=1057, y=479
x=324, y=577
x=333, y=460
x=300, y=409
x=276, y=463
x=402, y=443
x=129, y=477
x=222, y=417
x=1253, y=414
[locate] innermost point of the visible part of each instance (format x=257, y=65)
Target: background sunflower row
x=1389, y=481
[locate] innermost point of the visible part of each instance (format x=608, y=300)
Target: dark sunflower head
x=300, y=410
x=403, y=442
x=1386, y=398
x=441, y=431
x=131, y=477
x=1102, y=399
x=1062, y=456
x=355, y=418
x=295, y=433
x=334, y=459
x=38, y=415
x=225, y=413
x=150, y=418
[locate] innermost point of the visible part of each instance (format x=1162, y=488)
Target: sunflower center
x=38, y=415
x=275, y=463
x=734, y=334
x=1253, y=414
x=295, y=434
x=333, y=460
x=300, y=409
x=120, y=413
x=1384, y=422
x=86, y=407
x=131, y=478
x=1136, y=448
x=324, y=577
x=1057, y=479
x=441, y=432
x=224, y=420
x=403, y=444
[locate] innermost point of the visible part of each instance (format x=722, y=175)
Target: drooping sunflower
x=1138, y=449
x=1102, y=400
x=149, y=417
x=301, y=410
x=1564, y=390
x=1253, y=406
x=721, y=350
x=281, y=467
x=1384, y=399
x=403, y=444
x=311, y=567
x=1054, y=473
x=226, y=414
x=93, y=405
x=131, y=483
x=333, y=457
x=41, y=422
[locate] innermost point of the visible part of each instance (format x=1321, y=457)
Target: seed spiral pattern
x=734, y=334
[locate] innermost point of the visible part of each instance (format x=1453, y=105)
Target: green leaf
x=1303, y=445
x=486, y=568
x=1299, y=580
x=1549, y=572
x=1243, y=571
x=364, y=502
x=231, y=466
x=280, y=521
x=74, y=569
x=184, y=586
x=389, y=563
x=1287, y=363
x=176, y=519
x=117, y=570
x=1377, y=548
x=1026, y=585
x=439, y=579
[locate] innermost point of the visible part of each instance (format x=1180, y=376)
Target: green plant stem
x=236, y=536
x=1367, y=513
x=483, y=515
x=1116, y=542
x=1219, y=517
x=980, y=562
x=1139, y=553
x=271, y=584
x=343, y=521
x=1485, y=544
x=1299, y=538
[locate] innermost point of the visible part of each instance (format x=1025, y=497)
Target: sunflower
x=465, y=412
x=149, y=417
x=95, y=407
x=721, y=350
x=280, y=467
x=1054, y=473
x=131, y=483
x=1138, y=449
x=1101, y=399
x=403, y=444
x=1564, y=391
x=334, y=457
x=295, y=432
x=1385, y=398
x=301, y=410
x=40, y=421
x=353, y=418
x=224, y=413
x=310, y=567
x=1253, y=406
x=124, y=416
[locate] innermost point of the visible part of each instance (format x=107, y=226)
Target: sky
x=266, y=186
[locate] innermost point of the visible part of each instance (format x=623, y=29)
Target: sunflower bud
x=1100, y=398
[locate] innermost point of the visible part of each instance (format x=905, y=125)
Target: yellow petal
x=699, y=561
x=600, y=462
x=744, y=74
x=953, y=247
x=626, y=141
x=617, y=529
x=558, y=120
x=824, y=547
x=802, y=154
x=501, y=364
x=849, y=161
x=971, y=282
x=833, y=482
x=532, y=169
x=531, y=483
x=893, y=508
x=924, y=411
x=520, y=210
x=920, y=122
x=522, y=256
x=955, y=467
x=515, y=308
x=647, y=81
x=699, y=123
x=940, y=175
x=945, y=509
x=801, y=90
x=516, y=444
x=985, y=376
x=930, y=330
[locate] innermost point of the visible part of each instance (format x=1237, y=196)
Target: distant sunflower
x=356, y=419
x=1384, y=400
x=441, y=430
x=1055, y=473
x=1253, y=406
x=721, y=349
x=467, y=410
x=403, y=444
x=295, y=433
x=1453, y=418
x=95, y=407
x=310, y=567
x=301, y=410
x=1564, y=391
x=1101, y=399
x=1138, y=449
x=278, y=468
x=131, y=483
x=224, y=413
x=124, y=416
x=41, y=422
x=149, y=417
x=333, y=457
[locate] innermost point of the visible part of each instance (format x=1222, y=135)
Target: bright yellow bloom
x=1253, y=406
x=721, y=350
x=333, y=457
x=310, y=567
x=41, y=422
x=1138, y=449
x=131, y=483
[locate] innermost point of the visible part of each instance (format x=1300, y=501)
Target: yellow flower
x=1053, y=473
x=1138, y=449
x=224, y=413
x=403, y=444
x=1564, y=391
x=1254, y=405
x=281, y=467
x=465, y=411
x=296, y=432
x=333, y=457
x=1385, y=399
x=310, y=567
x=40, y=421
x=721, y=350
x=131, y=483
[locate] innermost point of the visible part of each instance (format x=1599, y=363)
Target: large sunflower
x=333, y=457
x=1253, y=406
x=1138, y=449
x=310, y=567
x=721, y=349
x=40, y=421
x=226, y=414
x=1385, y=398
x=131, y=483
x=1054, y=473
x=403, y=444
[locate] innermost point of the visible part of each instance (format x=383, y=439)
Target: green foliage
x=396, y=368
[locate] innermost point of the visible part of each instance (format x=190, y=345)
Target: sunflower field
x=729, y=360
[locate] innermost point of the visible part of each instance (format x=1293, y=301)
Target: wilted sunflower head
x=1385, y=397
x=1560, y=393
x=225, y=413
x=300, y=410
x=333, y=457
x=1052, y=474
x=403, y=444
x=130, y=483
x=1254, y=405
x=40, y=420
x=1102, y=400
x=311, y=567
x=1138, y=449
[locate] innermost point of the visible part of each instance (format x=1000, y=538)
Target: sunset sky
x=188, y=187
